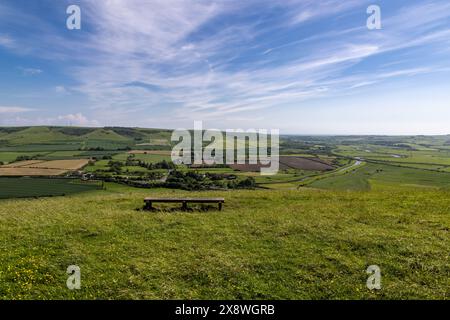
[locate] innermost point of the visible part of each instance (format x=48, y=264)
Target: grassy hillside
x=104, y=134
x=72, y=138
x=379, y=174
x=35, y=135
x=304, y=244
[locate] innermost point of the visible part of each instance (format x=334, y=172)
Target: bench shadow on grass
x=179, y=209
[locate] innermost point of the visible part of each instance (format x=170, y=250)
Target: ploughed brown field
x=21, y=164
x=289, y=162
x=42, y=168
x=314, y=164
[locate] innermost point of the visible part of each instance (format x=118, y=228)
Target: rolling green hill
x=104, y=134
x=70, y=138
x=35, y=135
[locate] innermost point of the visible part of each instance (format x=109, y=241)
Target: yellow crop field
x=42, y=168
x=75, y=164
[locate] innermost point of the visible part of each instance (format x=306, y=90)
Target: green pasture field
x=354, y=180
x=431, y=157
x=283, y=177
x=149, y=158
x=134, y=169
x=123, y=156
x=427, y=159
x=280, y=186
x=42, y=187
x=265, y=244
x=40, y=148
x=7, y=157
x=183, y=168
x=62, y=154
x=361, y=178
x=420, y=165
x=97, y=154
x=152, y=158
x=107, y=145
x=98, y=165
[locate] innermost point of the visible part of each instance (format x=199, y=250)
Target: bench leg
x=184, y=206
x=148, y=206
x=220, y=206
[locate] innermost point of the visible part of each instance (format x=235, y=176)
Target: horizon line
x=285, y=134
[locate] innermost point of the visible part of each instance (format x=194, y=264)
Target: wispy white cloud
x=6, y=41
x=30, y=71
x=308, y=10
x=140, y=59
x=12, y=110
x=77, y=119
x=193, y=76
x=61, y=90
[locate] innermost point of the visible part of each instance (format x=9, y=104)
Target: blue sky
x=301, y=66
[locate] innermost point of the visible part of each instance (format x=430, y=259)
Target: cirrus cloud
x=12, y=109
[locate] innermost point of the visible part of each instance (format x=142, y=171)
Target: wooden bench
x=184, y=201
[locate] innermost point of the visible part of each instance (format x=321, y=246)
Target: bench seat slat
x=192, y=200
x=149, y=201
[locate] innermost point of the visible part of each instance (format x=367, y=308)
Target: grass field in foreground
x=304, y=244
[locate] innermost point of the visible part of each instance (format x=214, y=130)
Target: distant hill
x=50, y=138
x=107, y=138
